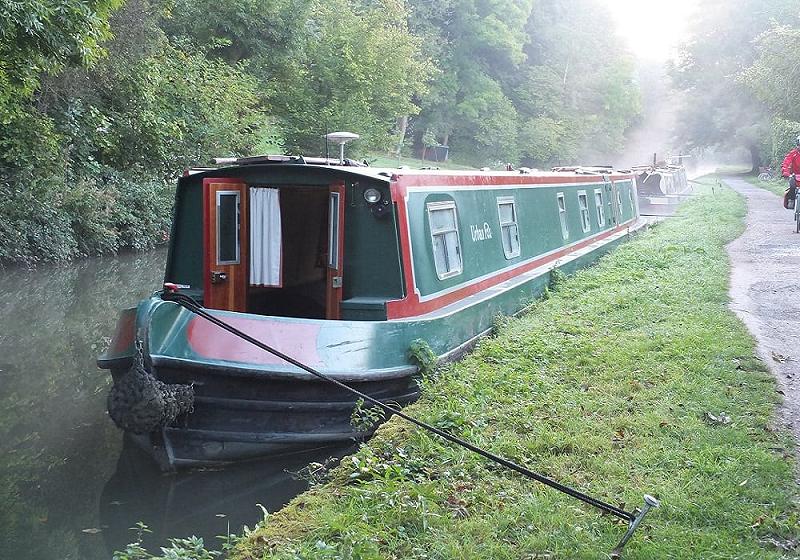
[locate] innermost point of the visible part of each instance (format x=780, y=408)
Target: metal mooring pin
x=649, y=503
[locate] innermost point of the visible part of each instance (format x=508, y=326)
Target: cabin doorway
x=306, y=266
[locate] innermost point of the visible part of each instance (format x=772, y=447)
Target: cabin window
x=509, y=232
x=228, y=227
x=630, y=198
x=598, y=204
x=562, y=214
x=619, y=201
x=583, y=204
x=443, y=222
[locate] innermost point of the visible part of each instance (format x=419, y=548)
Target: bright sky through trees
x=653, y=28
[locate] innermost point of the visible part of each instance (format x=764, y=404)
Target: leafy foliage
x=103, y=102
x=738, y=74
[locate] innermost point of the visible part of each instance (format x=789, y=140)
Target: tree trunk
x=755, y=159
x=402, y=126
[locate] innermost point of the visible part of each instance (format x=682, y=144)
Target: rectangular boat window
x=509, y=232
x=228, y=227
x=598, y=204
x=443, y=222
x=583, y=204
x=562, y=214
x=619, y=201
x=333, y=231
x=630, y=198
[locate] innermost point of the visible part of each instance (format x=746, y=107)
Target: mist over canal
x=70, y=487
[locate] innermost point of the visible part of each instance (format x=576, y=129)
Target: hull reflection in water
x=206, y=502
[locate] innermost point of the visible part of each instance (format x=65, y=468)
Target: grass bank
x=777, y=186
x=632, y=377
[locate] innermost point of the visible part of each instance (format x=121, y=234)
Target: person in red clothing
x=790, y=167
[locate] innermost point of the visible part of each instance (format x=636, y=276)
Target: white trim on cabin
x=509, y=229
x=488, y=275
x=443, y=188
x=600, y=207
x=561, y=202
x=447, y=259
x=583, y=206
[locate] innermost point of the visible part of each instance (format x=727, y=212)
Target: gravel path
x=765, y=290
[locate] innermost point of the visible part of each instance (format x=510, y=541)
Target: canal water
x=70, y=486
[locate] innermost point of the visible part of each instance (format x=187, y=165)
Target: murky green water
x=69, y=488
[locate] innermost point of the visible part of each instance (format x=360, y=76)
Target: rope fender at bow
x=633, y=519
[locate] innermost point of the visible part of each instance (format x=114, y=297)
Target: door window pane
x=333, y=231
x=228, y=227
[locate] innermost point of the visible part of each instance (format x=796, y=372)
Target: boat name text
x=481, y=233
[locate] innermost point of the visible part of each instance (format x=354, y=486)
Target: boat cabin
x=269, y=238
x=285, y=237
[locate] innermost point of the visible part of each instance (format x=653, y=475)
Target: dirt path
x=765, y=289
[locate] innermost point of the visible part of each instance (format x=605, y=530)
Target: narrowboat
x=341, y=267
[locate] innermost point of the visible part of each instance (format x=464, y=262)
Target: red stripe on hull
x=411, y=306
x=209, y=341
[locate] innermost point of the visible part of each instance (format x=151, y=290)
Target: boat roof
x=230, y=166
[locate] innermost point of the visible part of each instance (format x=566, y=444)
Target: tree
x=722, y=109
x=38, y=37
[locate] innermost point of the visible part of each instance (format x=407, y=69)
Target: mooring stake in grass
x=170, y=293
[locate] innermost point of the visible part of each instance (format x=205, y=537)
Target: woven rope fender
x=140, y=403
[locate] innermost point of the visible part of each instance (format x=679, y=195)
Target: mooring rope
x=190, y=304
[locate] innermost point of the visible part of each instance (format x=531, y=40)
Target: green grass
x=608, y=385
x=777, y=186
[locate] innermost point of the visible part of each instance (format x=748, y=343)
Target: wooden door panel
x=335, y=277
x=225, y=244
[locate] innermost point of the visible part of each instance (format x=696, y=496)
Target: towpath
x=765, y=289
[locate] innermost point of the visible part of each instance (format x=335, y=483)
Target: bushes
x=54, y=220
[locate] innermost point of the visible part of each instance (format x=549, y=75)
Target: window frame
x=431, y=207
x=509, y=200
x=600, y=209
x=333, y=230
x=238, y=197
x=561, y=202
x=586, y=222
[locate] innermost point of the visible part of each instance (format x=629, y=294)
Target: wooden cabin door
x=333, y=297
x=225, y=244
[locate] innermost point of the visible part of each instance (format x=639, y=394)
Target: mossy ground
x=632, y=377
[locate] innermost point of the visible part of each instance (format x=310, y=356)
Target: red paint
x=398, y=197
x=492, y=181
x=124, y=334
x=411, y=306
x=298, y=340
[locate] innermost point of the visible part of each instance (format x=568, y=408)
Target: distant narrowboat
x=341, y=267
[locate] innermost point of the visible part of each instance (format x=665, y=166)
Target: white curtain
x=265, y=238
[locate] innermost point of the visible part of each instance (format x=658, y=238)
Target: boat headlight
x=372, y=196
